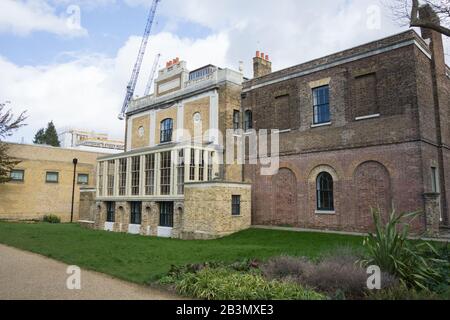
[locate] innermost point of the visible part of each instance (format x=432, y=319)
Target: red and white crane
x=137, y=67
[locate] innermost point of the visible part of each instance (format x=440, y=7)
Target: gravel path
x=28, y=276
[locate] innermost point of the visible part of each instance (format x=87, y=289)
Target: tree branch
x=416, y=21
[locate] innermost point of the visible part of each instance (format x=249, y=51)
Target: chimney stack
x=261, y=65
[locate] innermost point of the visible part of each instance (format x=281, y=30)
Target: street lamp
x=75, y=162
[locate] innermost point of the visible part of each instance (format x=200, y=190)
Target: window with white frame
x=122, y=177
x=150, y=174
x=192, y=166
x=100, y=178
x=135, y=175
x=110, y=177
x=181, y=167
x=166, y=166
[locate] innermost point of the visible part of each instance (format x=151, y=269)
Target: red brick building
x=365, y=127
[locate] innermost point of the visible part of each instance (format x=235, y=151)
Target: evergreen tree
x=47, y=136
x=7, y=126
x=39, y=138
x=51, y=136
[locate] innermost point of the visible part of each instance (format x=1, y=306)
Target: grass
x=144, y=259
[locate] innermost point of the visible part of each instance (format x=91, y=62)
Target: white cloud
x=23, y=17
x=88, y=92
x=291, y=31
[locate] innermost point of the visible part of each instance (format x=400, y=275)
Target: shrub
x=52, y=219
x=402, y=292
x=390, y=249
x=226, y=284
x=339, y=276
x=287, y=267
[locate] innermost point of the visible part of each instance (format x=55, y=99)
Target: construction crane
x=137, y=67
x=152, y=75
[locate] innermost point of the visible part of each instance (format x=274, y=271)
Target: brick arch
x=285, y=192
x=372, y=183
x=312, y=178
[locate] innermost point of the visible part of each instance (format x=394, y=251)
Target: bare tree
x=408, y=12
x=8, y=124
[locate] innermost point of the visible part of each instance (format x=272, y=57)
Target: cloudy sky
x=70, y=60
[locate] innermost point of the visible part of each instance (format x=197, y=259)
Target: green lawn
x=144, y=259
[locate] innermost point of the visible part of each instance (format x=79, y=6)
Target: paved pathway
x=26, y=276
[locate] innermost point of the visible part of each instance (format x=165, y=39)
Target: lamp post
x=75, y=162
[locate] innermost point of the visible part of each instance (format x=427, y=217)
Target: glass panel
x=181, y=172
x=321, y=105
x=166, y=214
x=236, y=205
x=110, y=212
x=136, y=213
x=17, y=175
x=166, y=165
x=325, y=201
x=122, y=177
x=135, y=175
x=52, y=177
x=110, y=178
x=201, y=167
x=166, y=130
x=192, y=166
x=100, y=178
x=83, y=179
x=150, y=174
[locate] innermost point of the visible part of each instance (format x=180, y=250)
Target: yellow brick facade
x=34, y=197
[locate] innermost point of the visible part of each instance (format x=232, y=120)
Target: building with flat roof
x=41, y=184
x=89, y=141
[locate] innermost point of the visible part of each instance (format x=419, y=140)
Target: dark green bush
x=402, y=292
x=52, y=219
x=390, y=249
x=225, y=284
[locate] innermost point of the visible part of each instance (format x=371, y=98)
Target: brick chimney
x=261, y=65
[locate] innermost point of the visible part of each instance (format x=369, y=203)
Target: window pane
x=166, y=130
x=17, y=175
x=111, y=210
x=166, y=214
x=236, y=205
x=136, y=212
x=321, y=105
x=52, y=177
x=83, y=179
x=122, y=177
x=135, y=175
x=325, y=200
x=166, y=165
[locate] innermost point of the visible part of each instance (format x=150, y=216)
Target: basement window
x=110, y=212
x=136, y=213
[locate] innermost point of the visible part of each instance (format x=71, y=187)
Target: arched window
x=166, y=130
x=248, y=120
x=325, y=200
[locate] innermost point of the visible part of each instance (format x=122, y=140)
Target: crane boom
x=137, y=67
x=152, y=75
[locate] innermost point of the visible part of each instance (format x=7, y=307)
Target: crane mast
x=152, y=75
x=137, y=67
